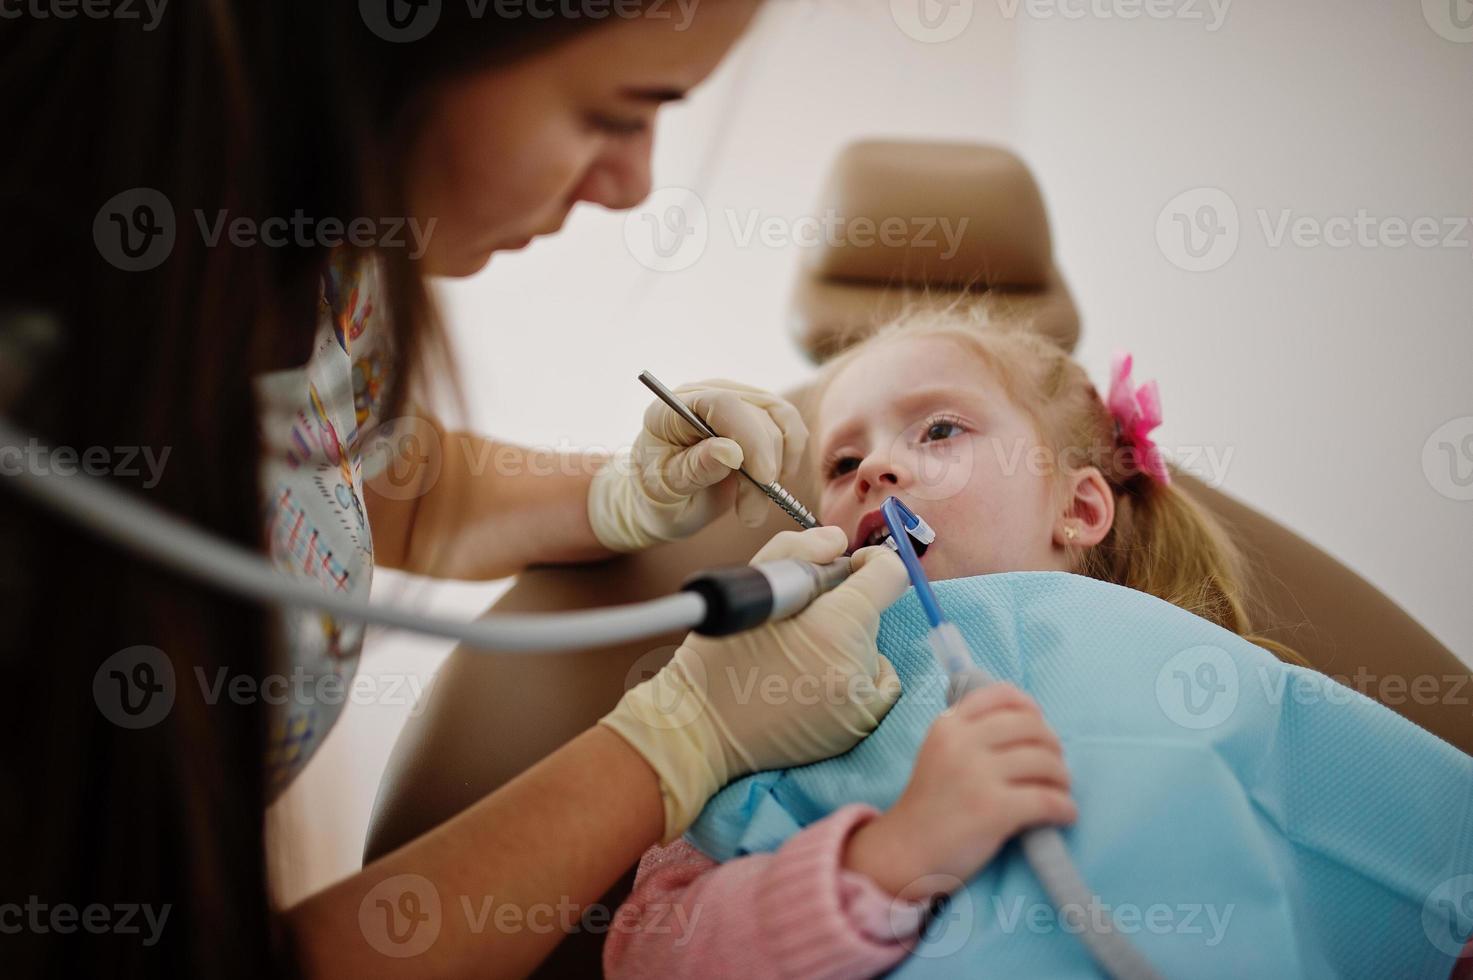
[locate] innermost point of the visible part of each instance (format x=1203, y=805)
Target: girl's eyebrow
x=912, y=401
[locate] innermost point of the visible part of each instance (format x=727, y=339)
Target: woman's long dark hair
x=258, y=108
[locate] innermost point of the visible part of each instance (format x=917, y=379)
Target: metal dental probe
x=774, y=490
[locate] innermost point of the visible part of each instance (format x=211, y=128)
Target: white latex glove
x=668, y=484
x=784, y=694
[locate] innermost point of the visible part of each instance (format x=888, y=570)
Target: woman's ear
x=1089, y=510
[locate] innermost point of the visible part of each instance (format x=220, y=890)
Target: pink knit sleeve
x=793, y=913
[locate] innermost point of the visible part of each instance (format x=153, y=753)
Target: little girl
x=1001, y=443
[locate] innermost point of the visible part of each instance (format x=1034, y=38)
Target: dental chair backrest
x=455, y=751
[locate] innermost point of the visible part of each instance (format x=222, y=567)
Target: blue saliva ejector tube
x=945, y=640
x=1042, y=846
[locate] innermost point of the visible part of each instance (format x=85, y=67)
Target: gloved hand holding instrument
x=672, y=481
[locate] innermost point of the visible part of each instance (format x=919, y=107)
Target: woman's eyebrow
x=657, y=94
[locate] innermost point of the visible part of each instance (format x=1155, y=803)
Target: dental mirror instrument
x=1042, y=846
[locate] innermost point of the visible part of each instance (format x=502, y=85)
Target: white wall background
x=1323, y=371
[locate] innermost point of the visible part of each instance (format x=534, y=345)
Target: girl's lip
x=876, y=519
x=867, y=525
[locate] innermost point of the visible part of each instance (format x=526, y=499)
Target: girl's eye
x=840, y=466
x=615, y=126
x=942, y=428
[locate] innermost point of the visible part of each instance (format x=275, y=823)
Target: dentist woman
x=145, y=305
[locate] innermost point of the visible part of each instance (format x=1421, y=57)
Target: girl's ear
x=1089, y=510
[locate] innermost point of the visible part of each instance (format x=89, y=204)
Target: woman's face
x=507, y=152
x=926, y=421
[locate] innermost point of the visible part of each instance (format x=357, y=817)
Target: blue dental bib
x=1239, y=817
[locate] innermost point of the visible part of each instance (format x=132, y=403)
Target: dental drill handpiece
x=774, y=490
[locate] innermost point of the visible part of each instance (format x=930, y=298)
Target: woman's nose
x=619, y=177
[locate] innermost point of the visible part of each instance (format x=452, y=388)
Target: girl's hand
x=673, y=481
x=989, y=767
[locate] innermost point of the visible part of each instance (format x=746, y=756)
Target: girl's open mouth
x=873, y=530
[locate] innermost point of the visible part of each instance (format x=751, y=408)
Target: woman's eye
x=616, y=126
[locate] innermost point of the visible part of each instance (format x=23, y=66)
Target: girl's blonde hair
x=1161, y=542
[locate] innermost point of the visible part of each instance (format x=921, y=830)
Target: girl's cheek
x=945, y=471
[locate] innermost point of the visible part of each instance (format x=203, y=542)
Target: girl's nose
x=880, y=473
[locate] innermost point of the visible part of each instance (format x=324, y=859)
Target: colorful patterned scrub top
x=315, y=422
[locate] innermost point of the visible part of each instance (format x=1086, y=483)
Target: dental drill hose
x=774, y=589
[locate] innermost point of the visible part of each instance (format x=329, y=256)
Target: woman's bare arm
x=457, y=505
x=511, y=873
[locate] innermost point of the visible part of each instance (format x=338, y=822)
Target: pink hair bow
x=1137, y=411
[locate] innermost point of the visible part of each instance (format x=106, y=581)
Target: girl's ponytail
x=1164, y=544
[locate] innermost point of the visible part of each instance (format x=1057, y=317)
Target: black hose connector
x=738, y=597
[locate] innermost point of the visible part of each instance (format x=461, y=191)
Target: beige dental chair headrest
x=928, y=225
x=456, y=751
